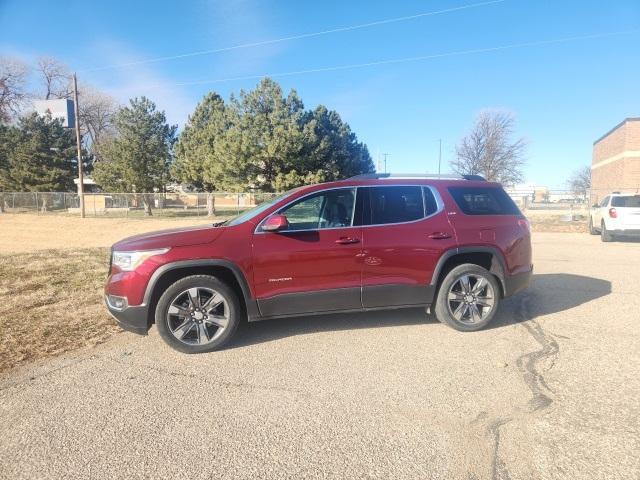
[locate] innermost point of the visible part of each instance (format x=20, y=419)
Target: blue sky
x=564, y=95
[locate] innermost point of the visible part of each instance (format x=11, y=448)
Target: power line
x=409, y=59
x=295, y=37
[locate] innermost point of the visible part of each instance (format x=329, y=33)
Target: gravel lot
x=550, y=391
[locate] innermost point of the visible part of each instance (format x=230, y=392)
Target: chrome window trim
x=434, y=191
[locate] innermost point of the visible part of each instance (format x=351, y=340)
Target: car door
x=405, y=232
x=597, y=214
x=315, y=264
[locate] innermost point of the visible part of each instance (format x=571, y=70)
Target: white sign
x=58, y=108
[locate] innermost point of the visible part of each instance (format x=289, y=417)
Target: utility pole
x=79, y=146
x=385, y=161
x=439, y=155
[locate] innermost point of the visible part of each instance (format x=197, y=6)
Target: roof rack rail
x=435, y=176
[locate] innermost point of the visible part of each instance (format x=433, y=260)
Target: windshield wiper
x=220, y=224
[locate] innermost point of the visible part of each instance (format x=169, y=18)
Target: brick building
x=615, y=165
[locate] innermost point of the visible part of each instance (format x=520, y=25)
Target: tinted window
x=329, y=209
x=430, y=204
x=483, y=201
x=633, y=202
x=395, y=204
x=604, y=202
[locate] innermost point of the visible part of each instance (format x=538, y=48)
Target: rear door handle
x=439, y=235
x=347, y=240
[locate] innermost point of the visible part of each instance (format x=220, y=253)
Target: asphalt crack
x=530, y=366
x=528, y=363
x=499, y=469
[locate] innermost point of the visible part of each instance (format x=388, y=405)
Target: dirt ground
x=548, y=391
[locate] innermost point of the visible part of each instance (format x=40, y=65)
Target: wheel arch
x=224, y=270
x=487, y=257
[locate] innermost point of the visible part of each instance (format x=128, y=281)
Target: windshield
x=258, y=209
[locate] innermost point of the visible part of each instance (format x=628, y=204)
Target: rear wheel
x=468, y=298
x=592, y=230
x=605, y=235
x=198, y=314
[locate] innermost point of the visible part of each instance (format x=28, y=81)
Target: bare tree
x=55, y=77
x=13, y=76
x=580, y=181
x=488, y=149
x=96, y=116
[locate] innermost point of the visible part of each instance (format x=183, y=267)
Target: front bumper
x=517, y=282
x=133, y=318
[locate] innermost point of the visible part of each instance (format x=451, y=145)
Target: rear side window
x=633, y=202
x=483, y=201
x=395, y=204
x=430, y=204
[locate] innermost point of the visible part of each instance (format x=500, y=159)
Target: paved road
x=551, y=391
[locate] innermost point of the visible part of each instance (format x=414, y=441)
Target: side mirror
x=595, y=205
x=275, y=223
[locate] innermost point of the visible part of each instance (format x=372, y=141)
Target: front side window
x=395, y=204
x=328, y=209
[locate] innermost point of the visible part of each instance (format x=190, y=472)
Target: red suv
x=457, y=245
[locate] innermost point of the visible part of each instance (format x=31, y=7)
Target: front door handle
x=439, y=235
x=347, y=240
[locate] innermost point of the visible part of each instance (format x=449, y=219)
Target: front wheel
x=592, y=230
x=198, y=314
x=468, y=298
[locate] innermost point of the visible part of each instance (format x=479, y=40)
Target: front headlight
x=128, y=261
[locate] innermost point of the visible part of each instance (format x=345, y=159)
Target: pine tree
x=138, y=156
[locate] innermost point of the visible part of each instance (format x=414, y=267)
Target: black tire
x=592, y=230
x=215, y=338
x=443, y=306
x=605, y=235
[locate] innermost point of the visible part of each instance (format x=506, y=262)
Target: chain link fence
x=132, y=204
x=543, y=199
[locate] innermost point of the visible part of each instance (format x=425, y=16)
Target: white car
x=617, y=214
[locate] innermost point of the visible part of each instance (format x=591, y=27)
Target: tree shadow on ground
x=548, y=293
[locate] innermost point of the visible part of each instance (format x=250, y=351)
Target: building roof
x=628, y=119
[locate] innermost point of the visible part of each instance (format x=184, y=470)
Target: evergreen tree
x=196, y=159
x=138, y=156
x=37, y=155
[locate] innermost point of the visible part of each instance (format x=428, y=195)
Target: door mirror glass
x=275, y=223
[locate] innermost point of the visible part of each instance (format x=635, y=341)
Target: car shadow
x=548, y=293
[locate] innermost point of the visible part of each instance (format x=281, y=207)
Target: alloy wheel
x=470, y=298
x=198, y=316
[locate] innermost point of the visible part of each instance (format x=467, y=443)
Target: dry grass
x=51, y=302
x=52, y=272
x=27, y=233
x=554, y=223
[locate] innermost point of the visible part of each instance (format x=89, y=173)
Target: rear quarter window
x=483, y=201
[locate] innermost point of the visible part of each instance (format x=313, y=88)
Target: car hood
x=176, y=237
